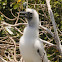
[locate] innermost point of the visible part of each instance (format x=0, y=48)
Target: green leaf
x=15, y=6
x=3, y=3
x=61, y=22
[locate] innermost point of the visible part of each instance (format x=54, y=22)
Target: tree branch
x=2, y=60
x=7, y=17
x=4, y=23
x=47, y=42
x=54, y=26
x=47, y=30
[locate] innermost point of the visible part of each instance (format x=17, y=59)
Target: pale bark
x=56, y=37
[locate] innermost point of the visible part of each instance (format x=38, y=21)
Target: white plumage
x=30, y=47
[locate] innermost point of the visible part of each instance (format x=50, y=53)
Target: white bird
x=31, y=48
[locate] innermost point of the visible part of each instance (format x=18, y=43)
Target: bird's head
x=32, y=16
x=29, y=13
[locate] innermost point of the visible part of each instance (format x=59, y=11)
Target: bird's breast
x=26, y=49
x=30, y=33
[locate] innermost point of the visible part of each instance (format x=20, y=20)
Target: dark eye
x=29, y=13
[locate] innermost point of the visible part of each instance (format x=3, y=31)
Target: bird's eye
x=29, y=13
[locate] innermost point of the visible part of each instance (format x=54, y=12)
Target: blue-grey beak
x=22, y=14
x=27, y=15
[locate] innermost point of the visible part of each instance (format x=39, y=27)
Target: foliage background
x=9, y=9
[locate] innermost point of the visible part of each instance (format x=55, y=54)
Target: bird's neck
x=34, y=23
x=31, y=31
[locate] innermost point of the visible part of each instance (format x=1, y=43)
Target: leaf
x=56, y=50
x=3, y=3
x=15, y=6
x=0, y=18
x=55, y=61
x=18, y=1
x=61, y=22
x=60, y=56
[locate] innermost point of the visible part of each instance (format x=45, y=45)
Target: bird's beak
x=27, y=15
x=23, y=14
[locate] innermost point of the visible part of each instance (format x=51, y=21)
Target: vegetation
x=9, y=42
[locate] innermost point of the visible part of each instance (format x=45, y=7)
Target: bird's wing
x=39, y=48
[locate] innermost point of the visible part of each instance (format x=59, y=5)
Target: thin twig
x=18, y=30
x=47, y=42
x=14, y=49
x=7, y=17
x=47, y=30
x=2, y=60
x=17, y=17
